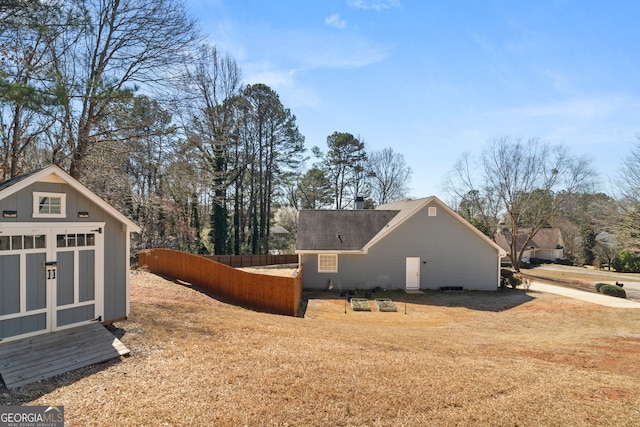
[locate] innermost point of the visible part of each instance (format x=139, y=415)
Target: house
x=410, y=245
x=546, y=244
x=64, y=256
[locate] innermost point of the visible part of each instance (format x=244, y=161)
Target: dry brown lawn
x=505, y=358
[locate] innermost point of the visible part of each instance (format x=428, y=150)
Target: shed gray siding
x=115, y=237
x=454, y=255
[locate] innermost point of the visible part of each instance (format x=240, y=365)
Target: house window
x=49, y=205
x=327, y=263
x=433, y=211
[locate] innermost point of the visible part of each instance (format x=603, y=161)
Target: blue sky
x=435, y=79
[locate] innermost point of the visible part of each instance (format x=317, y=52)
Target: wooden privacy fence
x=253, y=260
x=273, y=294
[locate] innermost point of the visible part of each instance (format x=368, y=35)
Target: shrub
x=507, y=278
x=627, y=262
x=600, y=285
x=563, y=261
x=613, y=290
x=506, y=273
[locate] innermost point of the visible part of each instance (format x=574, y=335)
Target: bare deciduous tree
x=629, y=185
x=473, y=199
x=389, y=175
x=530, y=181
x=121, y=45
x=629, y=177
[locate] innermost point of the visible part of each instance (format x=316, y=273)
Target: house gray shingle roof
x=545, y=238
x=340, y=230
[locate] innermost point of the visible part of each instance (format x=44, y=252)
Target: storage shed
x=64, y=256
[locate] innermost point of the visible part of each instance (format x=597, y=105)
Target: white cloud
x=373, y=4
x=586, y=108
x=335, y=21
x=264, y=72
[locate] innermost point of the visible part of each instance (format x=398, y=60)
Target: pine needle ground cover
x=505, y=358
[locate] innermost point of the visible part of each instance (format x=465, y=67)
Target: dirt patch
x=285, y=270
x=503, y=358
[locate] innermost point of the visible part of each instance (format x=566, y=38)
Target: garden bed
x=360, y=304
x=385, y=304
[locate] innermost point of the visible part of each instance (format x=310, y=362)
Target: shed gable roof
x=54, y=174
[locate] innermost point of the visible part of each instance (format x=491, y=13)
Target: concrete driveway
x=631, y=281
x=632, y=289
x=604, y=300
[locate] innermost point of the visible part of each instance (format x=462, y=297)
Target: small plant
x=526, y=283
x=613, y=290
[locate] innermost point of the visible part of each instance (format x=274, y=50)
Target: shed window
x=15, y=243
x=74, y=240
x=433, y=211
x=49, y=205
x=327, y=263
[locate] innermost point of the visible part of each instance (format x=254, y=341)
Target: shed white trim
x=53, y=173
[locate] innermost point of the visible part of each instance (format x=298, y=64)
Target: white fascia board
x=61, y=176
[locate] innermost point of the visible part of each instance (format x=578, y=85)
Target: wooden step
x=44, y=356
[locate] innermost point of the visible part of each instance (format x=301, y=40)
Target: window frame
x=335, y=258
x=37, y=195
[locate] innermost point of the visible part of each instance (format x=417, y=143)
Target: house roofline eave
x=328, y=251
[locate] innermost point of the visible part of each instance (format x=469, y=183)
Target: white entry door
x=413, y=273
x=51, y=277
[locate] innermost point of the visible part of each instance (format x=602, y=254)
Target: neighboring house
x=547, y=243
x=415, y=244
x=64, y=255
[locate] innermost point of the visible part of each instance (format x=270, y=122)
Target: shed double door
x=51, y=277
